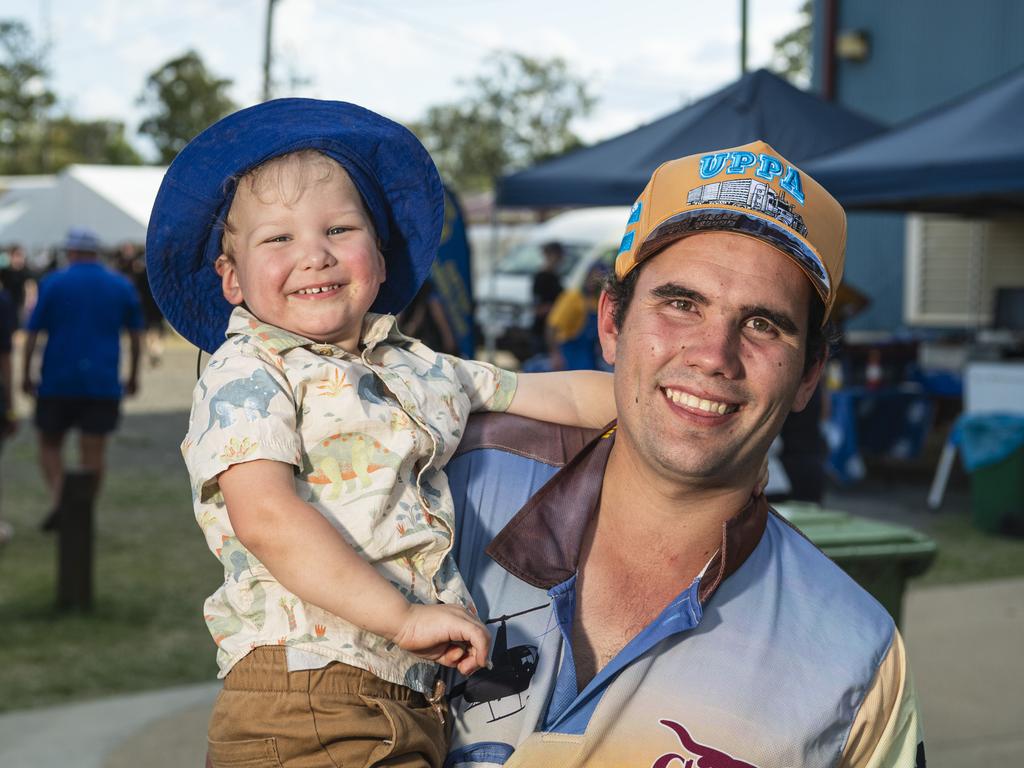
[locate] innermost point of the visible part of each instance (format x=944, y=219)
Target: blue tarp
x=988, y=438
x=964, y=156
x=759, y=105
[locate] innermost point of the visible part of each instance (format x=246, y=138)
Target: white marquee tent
x=112, y=200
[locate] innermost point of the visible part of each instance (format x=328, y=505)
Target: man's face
x=709, y=360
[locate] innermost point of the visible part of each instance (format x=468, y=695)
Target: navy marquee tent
x=760, y=105
x=966, y=156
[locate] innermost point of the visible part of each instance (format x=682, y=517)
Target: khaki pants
x=337, y=717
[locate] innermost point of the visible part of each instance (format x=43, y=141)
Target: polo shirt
x=83, y=309
x=771, y=657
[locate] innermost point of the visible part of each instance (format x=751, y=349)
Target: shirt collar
x=376, y=329
x=541, y=544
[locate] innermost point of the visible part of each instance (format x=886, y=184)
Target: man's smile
x=691, y=401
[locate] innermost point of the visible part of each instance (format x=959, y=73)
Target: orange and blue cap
x=749, y=190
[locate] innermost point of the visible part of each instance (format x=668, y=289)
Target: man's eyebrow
x=779, y=319
x=677, y=291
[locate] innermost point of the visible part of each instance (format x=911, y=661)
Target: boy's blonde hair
x=267, y=182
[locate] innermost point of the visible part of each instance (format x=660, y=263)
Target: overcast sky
x=641, y=59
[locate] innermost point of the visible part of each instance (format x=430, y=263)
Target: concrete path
x=965, y=644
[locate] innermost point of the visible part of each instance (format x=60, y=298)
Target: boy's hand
x=447, y=634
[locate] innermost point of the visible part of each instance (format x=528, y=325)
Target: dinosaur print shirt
x=368, y=436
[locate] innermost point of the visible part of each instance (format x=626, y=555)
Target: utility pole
x=268, y=48
x=743, y=37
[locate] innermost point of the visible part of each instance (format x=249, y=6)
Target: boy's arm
x=577, y=398
x=304, y=552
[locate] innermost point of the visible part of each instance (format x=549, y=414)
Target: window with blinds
x=953, y=266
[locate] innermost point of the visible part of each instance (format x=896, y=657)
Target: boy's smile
x=303, y=253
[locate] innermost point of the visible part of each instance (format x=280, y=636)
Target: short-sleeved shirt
x=83, y=310
x=368, y=436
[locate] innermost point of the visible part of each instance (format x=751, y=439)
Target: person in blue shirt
x=82, y=309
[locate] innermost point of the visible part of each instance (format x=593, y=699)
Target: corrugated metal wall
x=922, y=53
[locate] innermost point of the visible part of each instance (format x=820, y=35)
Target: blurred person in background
x=132, y=262
x=573, y=343
x=426, y=320
x=9, y=422
x=82, y=309
x=16, y=278
x=547, y=285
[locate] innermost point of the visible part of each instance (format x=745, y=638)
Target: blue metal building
x=892, y=60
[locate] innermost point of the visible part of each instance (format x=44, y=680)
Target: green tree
x=791, y=56
x=184, y=98
x=24, y=100
x=87, y=141
x=516, y=113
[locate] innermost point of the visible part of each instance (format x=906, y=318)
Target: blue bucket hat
x=393, y=172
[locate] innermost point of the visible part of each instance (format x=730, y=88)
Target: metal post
x=743, y=37
x=75, y=540
x=268, y=48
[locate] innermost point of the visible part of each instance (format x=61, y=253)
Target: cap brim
x=723, y=219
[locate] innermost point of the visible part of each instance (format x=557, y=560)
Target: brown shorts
x=338, y=717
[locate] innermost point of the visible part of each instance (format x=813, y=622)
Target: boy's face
x=310, y=265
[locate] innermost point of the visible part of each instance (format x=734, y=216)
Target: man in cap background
x=82, y=309
x=650, y=609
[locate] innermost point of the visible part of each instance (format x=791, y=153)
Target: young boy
x=319, y=432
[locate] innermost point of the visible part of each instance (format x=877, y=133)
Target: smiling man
x=650, y=609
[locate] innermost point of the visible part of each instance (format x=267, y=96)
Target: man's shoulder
x=542, y=441
x=819, y=584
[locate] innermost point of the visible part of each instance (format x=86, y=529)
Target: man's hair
x=820, y=338
x=267, y=182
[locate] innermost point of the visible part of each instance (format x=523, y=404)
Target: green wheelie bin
x=881, y=557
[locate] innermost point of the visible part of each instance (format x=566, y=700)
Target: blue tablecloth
x=891, y=422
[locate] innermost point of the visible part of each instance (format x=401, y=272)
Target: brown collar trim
x=740, y=535
x=543, y=441
x=541, y=544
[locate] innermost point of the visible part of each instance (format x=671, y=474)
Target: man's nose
x=714, y=350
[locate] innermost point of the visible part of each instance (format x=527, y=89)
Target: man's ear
x=229, y=284
x=606, y=330
x=808, y=383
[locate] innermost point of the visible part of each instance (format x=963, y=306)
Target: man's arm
x=886, y=732
x=28, y=386
x=286, y=534
x=131, y=386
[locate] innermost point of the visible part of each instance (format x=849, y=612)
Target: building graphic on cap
x=752, y=194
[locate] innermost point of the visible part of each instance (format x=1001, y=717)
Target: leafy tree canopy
x=24, y=99
x=791, y=57
x=183, y=98
x=516, y=113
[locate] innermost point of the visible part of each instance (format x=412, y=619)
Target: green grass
x=152, y=573
x=967, y=554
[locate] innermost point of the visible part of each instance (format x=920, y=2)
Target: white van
x=504, y=300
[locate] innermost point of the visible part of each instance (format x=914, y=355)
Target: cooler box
x=881, y=557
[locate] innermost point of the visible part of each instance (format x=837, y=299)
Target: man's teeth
x=683, y=398
x=306, y=291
